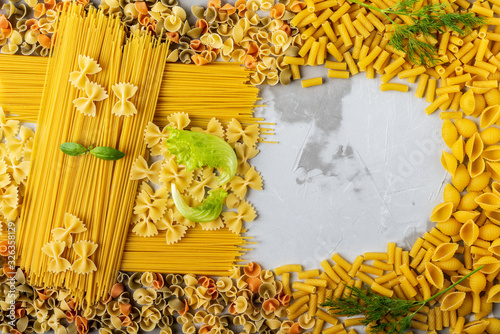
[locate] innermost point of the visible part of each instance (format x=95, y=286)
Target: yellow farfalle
x=86, y=105
x=179, y=120
x=234, y=220
x=244, y=153
x=214, y=127
x=87, y=66
x=213, y=225
x=153, y=137
x=150, y=204
x=235, y=132
x=19, y=170
x=197, y=188
x=124, y=92
x=172, y=173
x=54, y=251
x=84, y=265
x=8, y=197
x=8, y=128
x=140, y=170
x=145, y=227
x=15, y=146
x=175, y=231
x=72, y=225
x=252, y=179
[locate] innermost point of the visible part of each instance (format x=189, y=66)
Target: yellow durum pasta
x=99, y=192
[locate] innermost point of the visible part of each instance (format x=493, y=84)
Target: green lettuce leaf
x=207, y=211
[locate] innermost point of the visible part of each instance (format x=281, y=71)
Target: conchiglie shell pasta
x=488, y=201
x=476, y=167
x=489, y=232
x=461, y=178
x=464, y=216
x=490, y=263
x=468, y=103
x=451, y=195
x=449, y=132
x=489, y=116
x=490, y=136
x=452, y=301
x=495, y=247
x=442, y=212
x=468, y=202
x=479, y=182
x=465, y=127
x=495, y=187
x=476, y=327
x=458, y=149
x=492, y=97
x=444, y=252
x=466, y=307
x=469, y=232
x=493, y=216
x=493, y=326
x=449, y=227
x=492, y=153
x=474, y=146
x=452, y=264
x=494, y=294
x=480, y=105
x=494, y=169
x=434, y=275
x=449, y=162
x=477, y=282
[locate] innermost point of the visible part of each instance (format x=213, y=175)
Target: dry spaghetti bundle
x=75, y=217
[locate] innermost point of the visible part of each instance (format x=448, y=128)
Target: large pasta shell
x=493, y=326
x=489, y=116
x=449, y=132
x=490, y=136
x=477, y=89
x=494, y=294
x=461, y=178
x=464, y=286
x=452, y=301
x=494, y=169
x=451, y=195
x=468, y=102
x=464, y=216
x=444, y=252
x=474, y=146
x=468, y=202
x=490, y=263
x=488, y=201
x=469, y=232
x=452, y=264
x=466, y=307
x=458, y=149
x=450, y=227
x=477, y=282
x=442, y=212
x=479, y=182
x=476, y=327
x=495, y=187
x=492, y=97
x=480, y=105
x=449, y=162
x=495, y=247
x=434, y=275
x=476, y=167
x=492, y=153
x=465, y=127
x=493, y=216
x=489, y=232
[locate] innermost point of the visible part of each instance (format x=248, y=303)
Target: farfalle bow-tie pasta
x=54, y=250
x=84, y=249
x=72, y=225
x=86, y=105
x=88, y=66
x=124, y=91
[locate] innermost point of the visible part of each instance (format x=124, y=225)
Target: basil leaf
x=73, y=149
x=107, y=153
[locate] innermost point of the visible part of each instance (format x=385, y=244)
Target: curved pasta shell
x=495, y=187
x=452, y=301
x=464, y=286
x=489, y=232
x=495, y=247
x=474, y=146
x=464, y=216
x=494, y=169
x=492, y=153
x=494, y=294
x=493, y=216
x=485, y=308
x=479, y=182
x=492, y=97
x=480, y=105
x=449, y=227
x=476, y=167
x=458, y=149
x=490, y=136
x=476, y=327
x=468, y=102
x=461, y=178
x=477, y=282
x=444, y=251
x=468, y=202
x=491, y=264
x=488, y=201
x=449, y=132
x=442, y=212
x=469, y=232
x=466, y=307
x=465, y=127
x=451, y=195
x=452, y=264
x=489, y=116
x=449, y=162
x=493, y=326
x=434, y=275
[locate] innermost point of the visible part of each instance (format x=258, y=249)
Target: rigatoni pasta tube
x=316, y=282
x=312, y=82
x=381, y=290
x=326, y=317
x=422, y=84
x=411, y=72
x=285, y=280
x=329, y=271
x=288, y=268
x=394, y=86
x=298, y=303
x=287, y=60
x=332, y=49
x=437, y=102
x=308, y=274
x=369, y=58
x=304, y=287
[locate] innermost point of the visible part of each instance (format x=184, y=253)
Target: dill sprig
x=382, y=313
x=427, y=21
